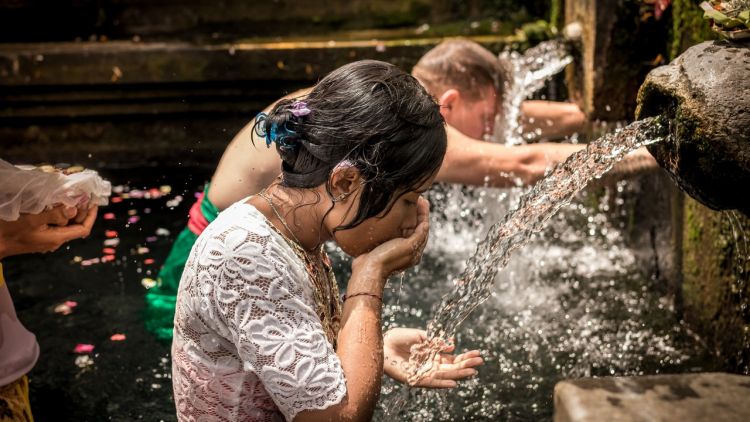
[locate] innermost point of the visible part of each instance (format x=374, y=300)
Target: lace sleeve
x=264, y=298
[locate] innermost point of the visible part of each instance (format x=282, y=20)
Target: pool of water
x=120, y=380
x=585, y=298
x=578, y=301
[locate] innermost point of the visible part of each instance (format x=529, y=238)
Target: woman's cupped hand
x=400, y=253
x=446, y=368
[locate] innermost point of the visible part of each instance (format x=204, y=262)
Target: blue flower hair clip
x=276, y=134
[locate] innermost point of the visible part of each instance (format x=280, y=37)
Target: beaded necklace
x=318, y=266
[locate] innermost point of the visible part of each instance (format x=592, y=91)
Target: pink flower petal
x=83, y=348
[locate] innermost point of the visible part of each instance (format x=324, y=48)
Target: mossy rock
x=715, y=289
x=706, y=94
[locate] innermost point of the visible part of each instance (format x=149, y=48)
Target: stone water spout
x=706, y=93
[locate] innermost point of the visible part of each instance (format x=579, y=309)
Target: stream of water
x=527, y=73
x=536, y=208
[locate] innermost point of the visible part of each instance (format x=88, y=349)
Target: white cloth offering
x=29, y=190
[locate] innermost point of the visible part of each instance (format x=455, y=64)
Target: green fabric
x=161, y=299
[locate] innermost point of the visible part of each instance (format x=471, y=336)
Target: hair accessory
x=299, y=109
x=345, y=297
x=344, y=164
x=277, y=134
x=341, y=197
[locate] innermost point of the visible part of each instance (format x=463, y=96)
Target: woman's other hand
x=446, y=370
x=400, y=253
x=43, y=232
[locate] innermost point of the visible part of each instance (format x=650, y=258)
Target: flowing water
x=527, y=73
x=575, y=307
x=535, y=209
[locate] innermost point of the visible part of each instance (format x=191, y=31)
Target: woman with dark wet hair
x=260, y=330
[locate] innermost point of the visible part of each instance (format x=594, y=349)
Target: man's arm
x=247, y=165
x=472, y=162
x=549, y=120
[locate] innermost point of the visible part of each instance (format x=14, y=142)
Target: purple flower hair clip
x=299, y=109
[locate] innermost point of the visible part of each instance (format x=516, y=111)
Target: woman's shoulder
x=242, y=215
x=243, y=232
x=240, y=251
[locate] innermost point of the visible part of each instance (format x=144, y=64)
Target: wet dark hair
x=370, y=113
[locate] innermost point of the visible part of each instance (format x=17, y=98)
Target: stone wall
x=706, y=250
x=617, y=51
x=714, y=287
x=716, y=280
x=133, y=102
x=133, y=81
x=65, y=20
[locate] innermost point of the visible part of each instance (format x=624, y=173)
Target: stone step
x=125, y=102
x=80, y=79
x=716, y=397
x=34, y=20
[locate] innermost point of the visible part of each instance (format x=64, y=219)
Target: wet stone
x=706, y=396
x=706, y=93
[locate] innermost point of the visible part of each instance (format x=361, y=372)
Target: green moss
x=688, y=26
x=692, y=225
x=407, y=13
x=478, y=27
x=556, y=14
x=537, y=32
x=715, y=280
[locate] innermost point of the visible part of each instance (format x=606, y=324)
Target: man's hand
x=46, y=231
x=446, y=367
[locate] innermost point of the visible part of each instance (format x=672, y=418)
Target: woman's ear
x=345, y=180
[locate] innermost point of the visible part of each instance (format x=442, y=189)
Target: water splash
x=580, y=299
x=534, y=210
x=741, y=271
x=527, y=73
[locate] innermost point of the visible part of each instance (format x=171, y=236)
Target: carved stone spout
x=706, y=94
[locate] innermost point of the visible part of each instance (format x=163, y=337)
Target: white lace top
x=248, y=344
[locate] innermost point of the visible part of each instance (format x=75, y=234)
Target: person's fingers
x=448, y=348
x=60, y=235
x=471, y=362
x=69, y=212
x=417, y=241
x=433, y=383
x=83, y=212
x=468, y=355
x=450, y=367
x=456, y=373
x=466, y=365
x=423, y=209
x=463, y=363
x=58, y=216
x=88, y=223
